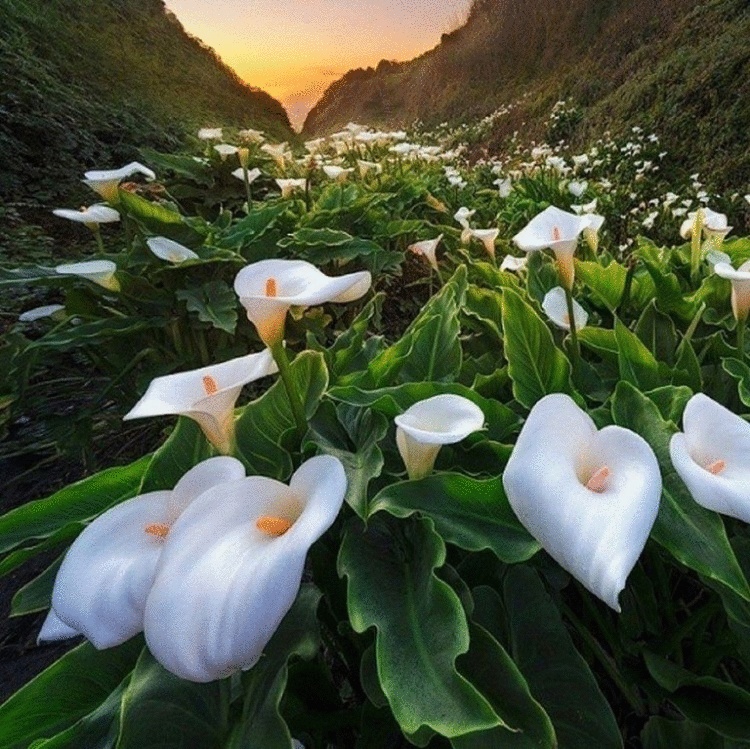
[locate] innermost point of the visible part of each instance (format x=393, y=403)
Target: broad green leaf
x=261, y=723
x=62, y=694
x=76, y=503
x=31, y=274
x=315, y=237
x=92, y=333
x=214, y=302
x=162, y=711
x=420, y=625
x=338, y=429
x=37, y=594
x=467, y=512
x=661, y=733
x=720, y=705
x=252, y=227
x=693, y=535
x=536, y=366
x=637, y=364
x=185, y=166
x=185, y=447
x=606, y=283
x=601, y=341
x=266, y=430
x=392, y=401
x=491, y=670
x=657, y=332
x=157, y=218
x=739, y=371
x=555, y=671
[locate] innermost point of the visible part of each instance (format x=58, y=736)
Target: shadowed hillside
x=678, y=67
x=85, y=83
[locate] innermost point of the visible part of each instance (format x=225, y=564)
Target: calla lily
x=713, y=225
x=556, y=307
x=487, y=237
x=559, y=231
x=225, y=149
x=267, y=289
x=462, y=215
x=38, y=313
x=101, y=272
x=253, y=136
x=514, y=264
x=740, y=279
x=206, y=395
x=210, y=133
x=429, y=424
x=289, y=186
x=427, y=248
x=232, y=567
x=504, y=186
x=576, y=189
x=279, y=152
x=103, y=583
x=589, y=497
x=252, y=175
x=91, y=216
x=106, y=182
x=169, y=250
x=369, y=166
x=712, y=457
x=337, y=172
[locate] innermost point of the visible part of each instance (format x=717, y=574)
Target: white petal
x=134, y=167
x=55, y=629
x=40, y=312
x=713, y=433
x=513, y=264
x=101, y=587
x=95, y=214
x=597, y=537
x=551, y=228
x=200, y=479
x=556, y=307
x=441, y=420
x=169, y=250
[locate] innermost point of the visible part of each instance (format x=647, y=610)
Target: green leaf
x=162, y=711
x=316, y=237
x=637, y=365
x=214, y=302
x=536, y=366
x=606, y=283
x=76, y=503
x=723, y=707
x=262, y=724
x=251, y=228
x=491, y=670
x=335, y=430
x=739, y=371
x=62, y=694
x=693, y=535
x=93, y=333
x=555, y=671
x=157, y=218
x=266, y=426
x=185, y=166
x=660, y=733
x=36, y=595
x=420, y=625
x=657, y=332
x=185, y=447
x=468, y=513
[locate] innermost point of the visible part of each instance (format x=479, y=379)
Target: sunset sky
x=295, y=48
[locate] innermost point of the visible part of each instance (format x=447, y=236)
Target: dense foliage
x=429, y=615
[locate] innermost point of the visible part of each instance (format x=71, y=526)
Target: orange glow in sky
x=295, y=49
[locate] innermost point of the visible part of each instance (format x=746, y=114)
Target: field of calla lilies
x=447, y=454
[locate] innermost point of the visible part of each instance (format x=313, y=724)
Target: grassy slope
x=86, y=82
x=676, y=66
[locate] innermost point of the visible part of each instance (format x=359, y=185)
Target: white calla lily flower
x=279, y=152
x=105, y=182
x=91, y=216
x=431, y=423
x=365, y=167
x=268, y=288
x=556, y=307
x=289, y=186
x=252, y=174
x=589, y=497
x=577, y=188
x=100, y=272
x=714, y=225
x=103, y=583
x=206, y=395
x=557, y=230
x=338, y=173
x=39, y=313
x=210, y=133
x=462, y=215
x=487, y=237
x=514, y=264
x=225, y=149
x=169, y=250
x=428, y=249
x=740, y=279
x=252, y=136
x=232, y=567
x=504, y=186
x=712, y=457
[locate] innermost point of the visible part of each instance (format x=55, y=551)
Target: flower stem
x=573, y=332
x=99, y=241
x=246, y=180
x=285, y=370
x=741, y=325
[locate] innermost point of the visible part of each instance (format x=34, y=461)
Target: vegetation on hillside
x=680, y=68
x=86, y=83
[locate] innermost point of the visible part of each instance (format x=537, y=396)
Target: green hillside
x=679, y=67
x=85, y=83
